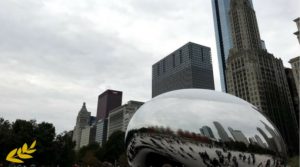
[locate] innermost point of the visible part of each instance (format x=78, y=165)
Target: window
x=202, y=58
x=158, y=66
x=180, y=56
x=164, y=65
x=173, y=56
x=190, y=51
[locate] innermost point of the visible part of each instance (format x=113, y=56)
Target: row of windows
x=174, y=57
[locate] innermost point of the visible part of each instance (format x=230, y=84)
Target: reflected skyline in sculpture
x=193, y=126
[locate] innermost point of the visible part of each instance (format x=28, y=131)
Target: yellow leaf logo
x=17, y=155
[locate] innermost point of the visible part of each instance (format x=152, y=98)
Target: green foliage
x=113, y=148
x=51, y=150
x=113, y=151
x=5, y=138
x=65, y=149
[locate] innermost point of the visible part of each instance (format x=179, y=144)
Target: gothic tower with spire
x=82, y=121
x=257, y=76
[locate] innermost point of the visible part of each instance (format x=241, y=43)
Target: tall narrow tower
x=223, y=35
x=83, y=119
x=256, y=75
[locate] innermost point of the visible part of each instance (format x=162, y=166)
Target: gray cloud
x=56, y=54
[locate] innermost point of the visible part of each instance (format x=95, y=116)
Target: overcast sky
x=56, y=54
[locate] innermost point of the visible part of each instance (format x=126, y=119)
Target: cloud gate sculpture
x=202, y=128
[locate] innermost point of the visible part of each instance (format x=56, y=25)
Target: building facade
x=119, y=118
x=87, y=136
x=257, y=76
x=293, y=90
x=101, y=131
x=206, y=131
x=298, y=26
x=223, y=35
x=238, y=136
x=82, y=121
x=295, y=63
x=221, y=132
x=190, y=66
x=107, y=101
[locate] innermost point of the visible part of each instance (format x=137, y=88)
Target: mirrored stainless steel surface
x=197, y=127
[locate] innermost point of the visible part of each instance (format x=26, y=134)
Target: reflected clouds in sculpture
x=196, y=127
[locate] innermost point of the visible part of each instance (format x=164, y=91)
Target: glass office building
x=223, y=35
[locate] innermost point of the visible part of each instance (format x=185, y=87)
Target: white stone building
x=87, y=135
x=82, y=121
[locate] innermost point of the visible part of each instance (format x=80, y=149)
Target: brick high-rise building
x=107, y=101
x=190, y=66
x=257, y=76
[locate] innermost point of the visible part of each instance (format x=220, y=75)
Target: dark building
x=293, y=90
x=92, y=121
x=221, y=131
x=206, y=131
x=107, y=101
x=257, y=76
x=190, y=66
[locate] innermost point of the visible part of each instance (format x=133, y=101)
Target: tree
x=5, y=135
x=51, y=150
x=87, y=155
x=65, y=149
x=46, y=151
x=113, y=148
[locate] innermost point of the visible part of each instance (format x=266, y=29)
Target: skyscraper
x=190, y=66
x=223, y=35
x=295, y=63
x=257, y=76
x=221, y=131
x=206, y=131
x=107, y=101
x=82, y=121
x=238, y=136
x=293, y=91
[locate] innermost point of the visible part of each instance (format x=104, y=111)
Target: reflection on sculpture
x=195, y=127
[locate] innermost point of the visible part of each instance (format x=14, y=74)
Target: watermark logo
x=17, y=155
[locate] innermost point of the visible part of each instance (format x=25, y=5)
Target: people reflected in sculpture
x=175, y=147
x=200, y=128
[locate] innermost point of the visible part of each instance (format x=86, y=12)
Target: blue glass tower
x=223, y=35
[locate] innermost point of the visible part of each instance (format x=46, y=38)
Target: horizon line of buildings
x=111, y=116
x=247, y=70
